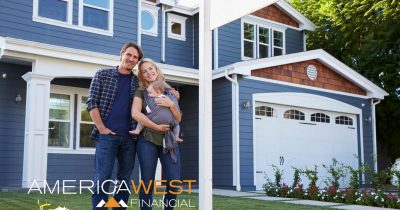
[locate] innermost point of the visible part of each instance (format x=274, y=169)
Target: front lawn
x=23, y=201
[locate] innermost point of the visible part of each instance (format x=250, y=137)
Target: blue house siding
x=151, y=45
x=178, y=52
x=189, y=149
x=196, y=41
x=12, y=124
x=16, y=21
x=222, y=133
x=229, y=46
x=248, y=87
x=294, y=41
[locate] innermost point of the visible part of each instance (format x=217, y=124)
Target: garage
x=294, y=131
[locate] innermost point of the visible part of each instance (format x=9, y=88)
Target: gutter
x=375, y=148
x=235, y=129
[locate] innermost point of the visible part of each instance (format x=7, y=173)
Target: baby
x=156, y=90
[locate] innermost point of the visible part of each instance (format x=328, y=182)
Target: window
x=344, y=120
x=94, y=16
x=176, y=27
x=257, y=37
x=278, y=43
x=265, y=111
x=294, y=114
x=320, y=117
x=263, y=42
x=248, y=40
x=60, y=120
x=85, y=125
x=149, y=19
x=54, y=9
x=70, y=124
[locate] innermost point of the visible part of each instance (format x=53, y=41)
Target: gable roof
x=245, y=68
x=192, y=7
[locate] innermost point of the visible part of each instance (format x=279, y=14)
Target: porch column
x=36, y=129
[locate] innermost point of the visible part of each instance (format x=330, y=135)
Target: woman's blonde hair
x=142, y=81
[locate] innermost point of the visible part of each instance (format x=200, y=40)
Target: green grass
x=23, y=201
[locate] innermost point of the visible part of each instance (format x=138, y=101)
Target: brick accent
x=297, y=73
x=273, y=13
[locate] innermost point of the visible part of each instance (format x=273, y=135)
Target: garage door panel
x=301, y=144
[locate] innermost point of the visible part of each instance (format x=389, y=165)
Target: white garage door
x=288, y=136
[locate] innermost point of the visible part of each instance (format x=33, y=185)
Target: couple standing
x=116, y=96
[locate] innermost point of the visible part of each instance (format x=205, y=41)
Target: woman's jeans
x=109, y=147
x=148, y=154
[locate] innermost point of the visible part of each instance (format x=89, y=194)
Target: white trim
x=304, y=23
x=153, y=10
x=283, y=48
x=79, y=121
x=235, y=131
x=215, y=48
x=139, y=23
x=93, y=29
x=266, y=23
x=375, y=148
x=177, y=19
x=36, y=129
x=245, y=68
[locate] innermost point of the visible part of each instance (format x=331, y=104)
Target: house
x=274, y=102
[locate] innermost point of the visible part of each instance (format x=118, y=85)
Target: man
x=109, y=103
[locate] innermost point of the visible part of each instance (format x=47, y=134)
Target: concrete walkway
x=261, y=196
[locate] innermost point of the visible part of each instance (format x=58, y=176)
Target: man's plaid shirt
x=102, y=93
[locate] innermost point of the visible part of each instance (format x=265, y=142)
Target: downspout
x=163, y=19
x=139, y=22
x=374, y=134
x=235, y=127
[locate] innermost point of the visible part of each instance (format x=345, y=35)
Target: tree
x=363, y=34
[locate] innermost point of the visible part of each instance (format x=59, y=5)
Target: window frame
x=324, y=118
x=178, y=19
x=345, y=119
x=93, y=29
x=260, y=43
x=260, y=22
x=296, y=113
x=75, y=93
x=78, y=123
x=255, y=48
x=71, y=119
x=273, y=43
x=69, y=24
x=153, y=10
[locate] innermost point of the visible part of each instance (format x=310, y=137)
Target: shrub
x=296, y=177
x=336, y=172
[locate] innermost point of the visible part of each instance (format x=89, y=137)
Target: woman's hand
x=175, y=93
x=164, y=101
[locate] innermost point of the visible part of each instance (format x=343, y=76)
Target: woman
x=150, y=143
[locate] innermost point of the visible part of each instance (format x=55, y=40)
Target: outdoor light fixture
x=18, y=98
x=4, y=76
x=246, y=104
x=368, y=119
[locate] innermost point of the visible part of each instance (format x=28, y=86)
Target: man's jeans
x=109, y=147
x=148, y=153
